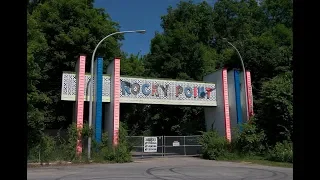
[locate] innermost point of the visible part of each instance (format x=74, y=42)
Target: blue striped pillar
x=98, y=120
x=238, y=99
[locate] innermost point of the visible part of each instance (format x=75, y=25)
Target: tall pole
x=244, y=77
x=91, y=76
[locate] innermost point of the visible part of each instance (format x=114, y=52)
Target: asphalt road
x=162, y=169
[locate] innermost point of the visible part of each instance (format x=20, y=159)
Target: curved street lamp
x=91, y=76
x=244, y=76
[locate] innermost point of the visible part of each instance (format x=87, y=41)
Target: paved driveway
x=163, y=169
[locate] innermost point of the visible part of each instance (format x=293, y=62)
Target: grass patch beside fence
x=255, y=160
x=55, y=150
x=249, y=146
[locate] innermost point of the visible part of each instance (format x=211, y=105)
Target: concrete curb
x=63, y=163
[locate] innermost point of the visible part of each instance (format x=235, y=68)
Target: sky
x=137, y=15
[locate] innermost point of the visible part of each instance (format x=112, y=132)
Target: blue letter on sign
x=125, y=86
x=145, y=90
x=188, y=92
x=201, y=92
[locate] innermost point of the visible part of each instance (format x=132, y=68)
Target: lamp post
x=244, y=76
x=92, y=73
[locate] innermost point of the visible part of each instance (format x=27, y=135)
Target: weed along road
x=162, y=169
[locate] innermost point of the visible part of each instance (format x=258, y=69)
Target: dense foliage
x=189, y=47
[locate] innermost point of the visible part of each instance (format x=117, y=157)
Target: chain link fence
x=137, y=145
x=164, y=146
x=56, y=150
x=141, y=147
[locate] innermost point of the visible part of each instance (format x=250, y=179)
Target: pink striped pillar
x=226, y=104
x=249, y=94
x=116, y=101
x=80, y=70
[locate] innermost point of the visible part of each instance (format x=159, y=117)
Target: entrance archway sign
x=222, y=95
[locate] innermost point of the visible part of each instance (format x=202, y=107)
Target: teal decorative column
x=98, y=116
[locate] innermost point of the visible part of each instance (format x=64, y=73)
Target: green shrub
x=46, y=147
x=281, y=152
x=249, y=141
x=99, y=150
x=122, y=154
x=57, y=149
x=213, y=145
x=123, y=150
x=45, y=151
x=104, y=152
x=66, y=148
x=34, y=155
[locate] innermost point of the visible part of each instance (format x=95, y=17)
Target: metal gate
x=164, y=146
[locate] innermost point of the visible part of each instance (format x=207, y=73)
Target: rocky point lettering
x=153, y=88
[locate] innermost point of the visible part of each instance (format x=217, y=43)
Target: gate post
x=142, y=148
x=184, y=144
x=164, y=146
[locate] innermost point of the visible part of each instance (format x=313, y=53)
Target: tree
x=238, y=20
x=183, y=52
x=278, y=11
x=132, y=65
x=70, y=27
x=275, y=112
x=191, y=46
x=134, y=115
x=36, y=49
x=266, y=55
x=263, y=35
x=265, y=43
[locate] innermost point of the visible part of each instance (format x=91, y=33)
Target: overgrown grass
x=261, y=160
x=59, y=150
x=248, y=146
